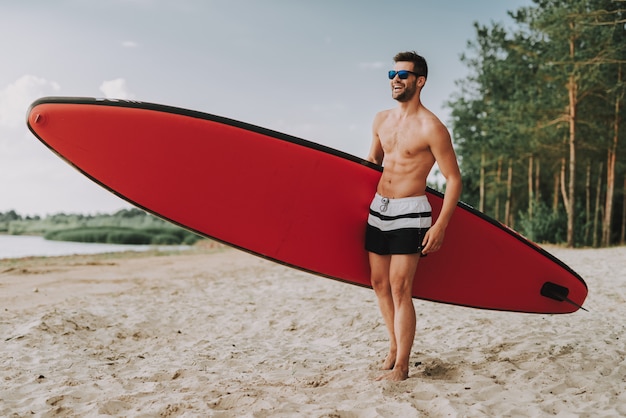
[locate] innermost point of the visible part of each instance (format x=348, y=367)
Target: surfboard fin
x=558, y=293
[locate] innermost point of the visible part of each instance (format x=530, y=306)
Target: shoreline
x=24, y=246
x=223, y=333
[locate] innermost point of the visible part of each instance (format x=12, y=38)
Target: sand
x=220, y=333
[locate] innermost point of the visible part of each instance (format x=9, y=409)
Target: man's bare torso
x=407, y=156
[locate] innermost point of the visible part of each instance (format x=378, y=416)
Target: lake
x=17, y=246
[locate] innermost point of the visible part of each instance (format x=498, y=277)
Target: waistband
x=410, y=199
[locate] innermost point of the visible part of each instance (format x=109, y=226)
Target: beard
x=404, y=95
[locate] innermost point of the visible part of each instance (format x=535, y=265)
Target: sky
x=315, y=69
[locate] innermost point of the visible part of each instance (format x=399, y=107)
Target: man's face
x=403, y=90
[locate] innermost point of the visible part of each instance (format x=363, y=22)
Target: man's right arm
x=376, y=153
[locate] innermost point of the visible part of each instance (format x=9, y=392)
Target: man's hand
x=433, y=240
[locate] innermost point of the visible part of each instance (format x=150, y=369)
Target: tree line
x=126, y=226
x=539, y=121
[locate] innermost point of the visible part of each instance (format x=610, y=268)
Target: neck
x=411, y=106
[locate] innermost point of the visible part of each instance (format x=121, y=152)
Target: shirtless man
x=407, y=141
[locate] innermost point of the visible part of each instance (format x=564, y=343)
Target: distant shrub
x=191, y=239
x=97, y=228
x=172, y=236
x=545, y=224
x=122, y=235
x=165, y=239
x=129, y=237
x=79, y=235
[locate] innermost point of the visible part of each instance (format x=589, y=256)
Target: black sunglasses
x=402, y=74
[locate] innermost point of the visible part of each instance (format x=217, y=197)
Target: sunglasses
x=402, y=74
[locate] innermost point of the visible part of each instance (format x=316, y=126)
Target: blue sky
x=313, y=69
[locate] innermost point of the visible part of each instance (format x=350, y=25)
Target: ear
x=421, y=80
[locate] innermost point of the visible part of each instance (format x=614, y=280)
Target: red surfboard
x=288, y=200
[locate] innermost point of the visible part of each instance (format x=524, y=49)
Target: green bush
x=123, y=235
x=79, y=235
x=127, y=226
x=129, y=237
x=172, y=236
x=545, y=224
x=105, y=235
x=165, y=239
x=191, y=239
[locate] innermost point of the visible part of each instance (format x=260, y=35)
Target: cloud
x=116, y=89
x=32, y=179
x=130, y=44
x=17, y=96
x=375, y=65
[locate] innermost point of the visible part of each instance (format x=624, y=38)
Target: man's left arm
x=444, y=154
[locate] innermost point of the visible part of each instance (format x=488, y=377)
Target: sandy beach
x=220, y=333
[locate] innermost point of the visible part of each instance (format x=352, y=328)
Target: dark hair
x=419, y=63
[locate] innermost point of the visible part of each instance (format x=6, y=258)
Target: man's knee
x=399, y=292
x=401, y=285
x=379, y=281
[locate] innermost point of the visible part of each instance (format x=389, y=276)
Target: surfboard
x=288, y=200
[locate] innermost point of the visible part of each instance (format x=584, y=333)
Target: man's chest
x=404, y=141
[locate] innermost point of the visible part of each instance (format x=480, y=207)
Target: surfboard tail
x=558, y=293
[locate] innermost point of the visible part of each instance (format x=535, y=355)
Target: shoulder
x=432, y=126
x=381, y=116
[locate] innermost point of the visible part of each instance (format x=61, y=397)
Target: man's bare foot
x=389, y=362
x=396, y=375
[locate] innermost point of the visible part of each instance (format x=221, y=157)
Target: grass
x=125, y=235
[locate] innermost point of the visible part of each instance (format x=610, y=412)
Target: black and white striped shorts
x=397, y=226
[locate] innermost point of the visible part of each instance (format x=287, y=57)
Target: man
x=407, y=141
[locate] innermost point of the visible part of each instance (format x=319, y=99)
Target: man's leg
x=402, y=269
x=379, y=265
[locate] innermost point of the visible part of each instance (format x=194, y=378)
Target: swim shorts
x=397, y=226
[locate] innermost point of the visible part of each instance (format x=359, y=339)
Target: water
x=16, y=246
